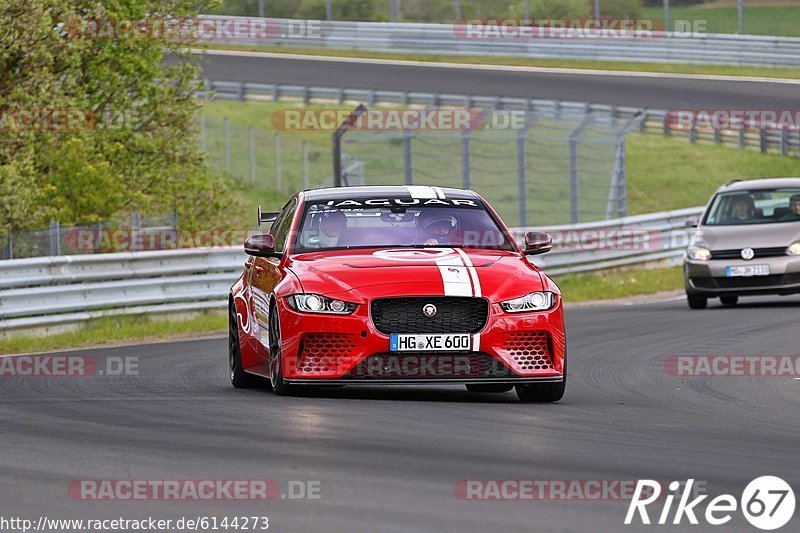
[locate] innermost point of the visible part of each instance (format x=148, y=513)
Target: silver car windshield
x=754, y=207
x=330, y=228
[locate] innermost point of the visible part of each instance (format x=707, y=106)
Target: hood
x=365, y=274
x=747, y=236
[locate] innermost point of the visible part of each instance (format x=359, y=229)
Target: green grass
x=611, y=285
x=758, y=20
x=118, y=330
x=671, y=173
x=584, y=64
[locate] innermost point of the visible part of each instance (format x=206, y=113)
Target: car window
x=283, y=224
x=326, y=227
x=765, y=206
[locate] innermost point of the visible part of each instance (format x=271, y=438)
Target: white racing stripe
x=421, y=192
x=475, y=285
x=439, y=192
x=455, y=276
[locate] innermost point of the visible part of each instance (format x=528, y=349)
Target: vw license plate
x=747, y=271
x=431, y=343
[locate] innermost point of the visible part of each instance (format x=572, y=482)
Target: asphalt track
x=630, y=89
x=388, y=458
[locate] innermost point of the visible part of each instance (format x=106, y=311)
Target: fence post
x=408, y=157
x=10, y=243
x=522, y=168
x=252, y=136
x=762, y=140
x=261, y=9
x=784, y=142
x=573, y=169
x=742, y=138
x=225, y=134
x=305, y=165
x=278, y=179
x=136, y=223
x=55, y=238
x=465, y=175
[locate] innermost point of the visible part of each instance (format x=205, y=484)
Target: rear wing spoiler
x=266, y=217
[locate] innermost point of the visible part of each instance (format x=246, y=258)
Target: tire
x=279, y=386
x=543, y=392
x=729, y=301
x=489, y=387
x=697, y=302
x=239, y=378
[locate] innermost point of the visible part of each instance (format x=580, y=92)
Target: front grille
x=759, y=252
x=531, y=350
x=745, y=283
x=430, y=366
x=324, y=352
x=453, y=315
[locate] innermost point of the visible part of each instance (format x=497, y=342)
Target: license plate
x=747, y=271
x=430, y=343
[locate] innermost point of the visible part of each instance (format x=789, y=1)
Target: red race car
x=396, y=285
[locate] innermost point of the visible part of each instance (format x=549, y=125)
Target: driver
x=437, y=228
x=332, y=227
x=794, y=210
x=743, y=208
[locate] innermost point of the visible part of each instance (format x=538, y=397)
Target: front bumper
x=512, y=348
x=708, y=278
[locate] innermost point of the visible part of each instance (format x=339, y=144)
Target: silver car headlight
x=535, y=301
x=793, y=249
x=316, y=303
x=699, y=253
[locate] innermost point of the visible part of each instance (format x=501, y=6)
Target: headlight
x=315, y=303
x=794, y=249
x=699, y=253
x=535, y=301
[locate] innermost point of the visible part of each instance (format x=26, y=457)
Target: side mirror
x=262, y=245
x=537, y=242
x=691, y=223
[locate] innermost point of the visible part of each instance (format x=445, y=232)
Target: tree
x=136, y=147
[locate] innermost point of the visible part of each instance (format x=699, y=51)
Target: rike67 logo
x=767, y=503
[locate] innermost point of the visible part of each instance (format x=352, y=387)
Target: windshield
x=326, y=227
x=754, y=207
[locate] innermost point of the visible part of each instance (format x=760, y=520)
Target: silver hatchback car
x=747, y=243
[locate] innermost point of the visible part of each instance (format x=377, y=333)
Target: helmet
x=430, y=221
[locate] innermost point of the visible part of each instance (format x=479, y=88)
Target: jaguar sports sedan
x=396, y=285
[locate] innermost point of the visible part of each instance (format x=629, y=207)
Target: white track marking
x=497, y=68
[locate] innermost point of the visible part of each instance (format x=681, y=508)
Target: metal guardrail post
x=742, y=139
x=574, y=180
x=784, y=142
x=762, y=140
x=408, y=158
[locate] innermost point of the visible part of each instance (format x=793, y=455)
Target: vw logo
x=429, y=310
x=748, y=254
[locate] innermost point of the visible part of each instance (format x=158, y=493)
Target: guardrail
x=455, y=39
x=46, y=292
x=766, y=140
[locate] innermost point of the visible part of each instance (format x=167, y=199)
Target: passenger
x=794, y=210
